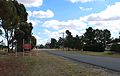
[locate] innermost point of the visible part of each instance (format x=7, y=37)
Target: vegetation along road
x=105, y=62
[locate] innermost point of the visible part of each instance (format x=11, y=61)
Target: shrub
x=115, y=47
x=94, y=47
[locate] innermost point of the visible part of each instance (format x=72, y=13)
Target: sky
x=50, y=18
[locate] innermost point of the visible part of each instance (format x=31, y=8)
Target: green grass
x=45, y=65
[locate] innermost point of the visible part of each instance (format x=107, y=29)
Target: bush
x=115, y=47
x=95, y=47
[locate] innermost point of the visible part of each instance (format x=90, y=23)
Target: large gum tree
x=14, y=22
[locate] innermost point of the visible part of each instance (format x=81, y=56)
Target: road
x=104, y=62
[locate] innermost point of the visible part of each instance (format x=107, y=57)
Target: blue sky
x=52, y=17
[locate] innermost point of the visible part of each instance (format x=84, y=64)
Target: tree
x=68, y=42
x=77, y=42
x=21, y=11
x=33, y=41
x=41, y=46
x=115, y=45
x=9, y=18
x=107, y=36
x=53, y=43
x=95, y=39
x=60, y=42
x=24, y=28
x=14, y=23
x=24, y=32
x=89, y=39
x=19, y=38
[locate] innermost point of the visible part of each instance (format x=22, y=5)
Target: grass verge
x=107, y=54
x=44, y=65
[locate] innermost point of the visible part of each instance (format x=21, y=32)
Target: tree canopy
x=14, y=22
x=91, y=40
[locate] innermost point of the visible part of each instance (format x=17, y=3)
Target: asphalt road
x=104, y=62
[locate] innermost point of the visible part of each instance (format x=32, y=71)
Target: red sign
x=27, y=46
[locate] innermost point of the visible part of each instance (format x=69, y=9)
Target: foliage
x=77, y=41
x=115, y=47
x=33, y=41
x=68, y=42
x=91, y=40
x=60, y=42
x=53, y=43
x=8, y=15
x=41, y=46
x=14, y=23
x=95, y=40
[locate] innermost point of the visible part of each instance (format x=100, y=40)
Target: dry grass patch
x=106, y=54
x=9, y=66
x=45, y=65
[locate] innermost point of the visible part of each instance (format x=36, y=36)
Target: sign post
x=27, y=48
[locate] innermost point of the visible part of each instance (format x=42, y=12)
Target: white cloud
x=85, y=9
x=29, y=13
x=76, y=27
x=34, y=22
x=70, y=24
x=51, y=34
x=41, y=14
x=59, y=33
x=110, y=13
x=31, y=3
x=40, y=40
x=82, y=1
x=55, y=24
x=106, y=19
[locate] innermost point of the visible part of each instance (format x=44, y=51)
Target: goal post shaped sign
x=27, y=46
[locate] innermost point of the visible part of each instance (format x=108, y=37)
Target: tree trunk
x=8, y=45
x=20, y=45
x=12, y=40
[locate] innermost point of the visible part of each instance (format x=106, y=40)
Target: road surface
x=105, y=62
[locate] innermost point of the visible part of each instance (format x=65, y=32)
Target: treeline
x=91, y=40
x=13, y=19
